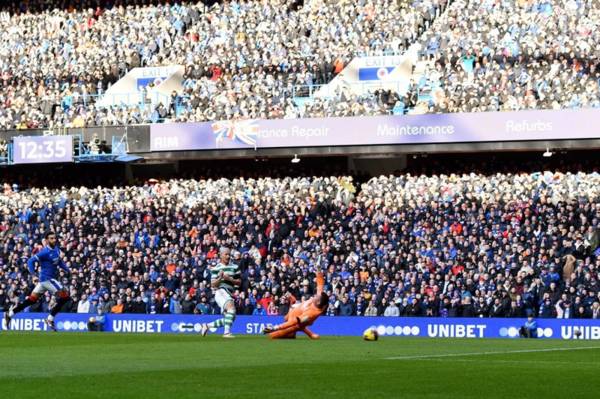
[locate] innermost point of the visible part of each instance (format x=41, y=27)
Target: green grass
x=71, y=365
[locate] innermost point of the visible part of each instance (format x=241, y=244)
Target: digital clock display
x=42, y=149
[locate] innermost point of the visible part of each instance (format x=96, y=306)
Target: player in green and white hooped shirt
x=224, y=277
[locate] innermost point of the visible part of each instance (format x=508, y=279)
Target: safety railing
x=327, y=91
x=140, y=99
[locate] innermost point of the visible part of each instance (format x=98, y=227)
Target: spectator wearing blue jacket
x=175, y=305
x=529, y=330
x=259, y=311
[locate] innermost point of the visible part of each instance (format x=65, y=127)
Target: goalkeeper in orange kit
x=302, y=315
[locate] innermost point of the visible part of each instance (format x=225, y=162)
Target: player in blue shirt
x=49, y=261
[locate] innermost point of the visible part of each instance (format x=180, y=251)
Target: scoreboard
x=42, y=149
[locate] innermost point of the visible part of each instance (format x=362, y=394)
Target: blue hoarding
x=349, y=326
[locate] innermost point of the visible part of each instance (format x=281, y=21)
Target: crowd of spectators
x=241, y=57
x=497, y=245
x=512, y=55
x=249, y=59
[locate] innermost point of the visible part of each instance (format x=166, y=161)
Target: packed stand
x=512, y=55
x=249, y=59
x=501, y=245
x=242, y=58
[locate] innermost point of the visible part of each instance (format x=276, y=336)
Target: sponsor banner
x=35, y=322
x=341, y=326
x=378, y=130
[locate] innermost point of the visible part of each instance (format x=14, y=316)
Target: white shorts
x=51, y=286
x=222, y=296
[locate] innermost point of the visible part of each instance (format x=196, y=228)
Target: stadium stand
x=512, y=55
x=430, y=241
x=242, y=58
x=245, y=59
x=498, y=244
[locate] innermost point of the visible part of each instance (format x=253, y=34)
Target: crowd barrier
x=341, y=326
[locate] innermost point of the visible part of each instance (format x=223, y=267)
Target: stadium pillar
x=128, y=174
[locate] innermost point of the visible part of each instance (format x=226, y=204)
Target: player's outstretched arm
x=31, y=264
x=320, y=283
x=320, y=277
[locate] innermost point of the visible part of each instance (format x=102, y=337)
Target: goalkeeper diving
x=301, y=315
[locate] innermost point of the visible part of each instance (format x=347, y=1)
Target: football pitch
x=97, y=365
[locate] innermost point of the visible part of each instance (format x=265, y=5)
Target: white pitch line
x=416, y=357
x=520, y=361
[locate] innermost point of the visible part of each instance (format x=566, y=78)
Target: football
x=370, y=334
